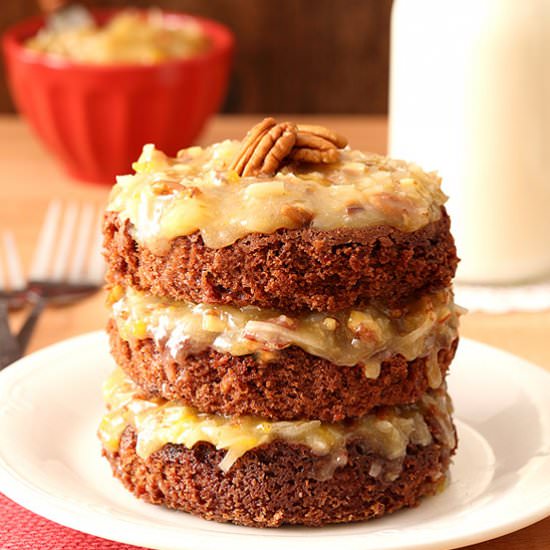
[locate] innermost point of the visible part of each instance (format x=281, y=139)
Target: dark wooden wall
x=308, y=56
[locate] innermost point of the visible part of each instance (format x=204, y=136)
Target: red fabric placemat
x=23, y=530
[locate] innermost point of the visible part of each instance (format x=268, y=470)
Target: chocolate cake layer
x=280, y=483
x=291, y=269
x=294, y=385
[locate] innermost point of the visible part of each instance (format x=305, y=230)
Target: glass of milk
x=470, y=98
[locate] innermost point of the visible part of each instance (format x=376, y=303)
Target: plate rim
x=22, y=491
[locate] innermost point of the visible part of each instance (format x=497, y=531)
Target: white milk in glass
x=470, y=98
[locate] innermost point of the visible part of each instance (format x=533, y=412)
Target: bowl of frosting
x=94, y=94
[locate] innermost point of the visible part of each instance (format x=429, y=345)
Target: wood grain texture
x=305, y=56
x=30, y=178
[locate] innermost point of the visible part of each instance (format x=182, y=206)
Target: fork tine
x=65, y=240
x=14, y=262
x=82, y=243
x=96, y=265
x=44, y=248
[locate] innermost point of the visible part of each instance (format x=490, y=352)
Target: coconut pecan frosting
x=270, y=143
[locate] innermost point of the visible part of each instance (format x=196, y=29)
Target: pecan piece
x=269, y=143
x=314, y=156
x=320, y=131
x=297, y=214
x=317, y=144
x=249, y=144
x=354, y=208
x=264, y=148
x=275, y=145
x=312, y=141
x=163, y=188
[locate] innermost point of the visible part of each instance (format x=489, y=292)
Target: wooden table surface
x=31, y=178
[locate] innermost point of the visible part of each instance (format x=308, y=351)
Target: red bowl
x=96, y=118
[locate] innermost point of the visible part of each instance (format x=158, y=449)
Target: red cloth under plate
x=23, y=530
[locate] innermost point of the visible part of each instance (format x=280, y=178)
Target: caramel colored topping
x=350, y=337
x=198, y=191
x=386, y=433
x=269, y=143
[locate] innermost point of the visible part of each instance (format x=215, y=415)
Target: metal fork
x=67, y=264
x=12, y=293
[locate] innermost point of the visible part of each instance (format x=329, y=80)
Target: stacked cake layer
x=282, y=319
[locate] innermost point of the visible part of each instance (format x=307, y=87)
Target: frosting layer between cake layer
x=387, y=432
x=364, y=336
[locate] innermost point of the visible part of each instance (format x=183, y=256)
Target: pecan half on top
x=269, y=143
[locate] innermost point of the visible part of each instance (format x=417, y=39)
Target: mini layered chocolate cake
x=283, y=321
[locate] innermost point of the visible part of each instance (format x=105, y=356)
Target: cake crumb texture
x=278, y=483
x=290, y=269
x=295, y=385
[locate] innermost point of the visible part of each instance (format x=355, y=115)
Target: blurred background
x=293, y=56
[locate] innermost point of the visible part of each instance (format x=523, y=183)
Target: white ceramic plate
x=50, y=406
